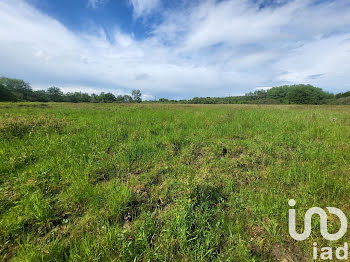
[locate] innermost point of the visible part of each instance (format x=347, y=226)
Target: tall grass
x=97, y=182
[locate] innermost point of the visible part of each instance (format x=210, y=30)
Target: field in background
x=107, y=182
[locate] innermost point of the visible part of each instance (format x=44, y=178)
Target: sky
x=176, y=48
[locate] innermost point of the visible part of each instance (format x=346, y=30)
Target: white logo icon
x=323, y=222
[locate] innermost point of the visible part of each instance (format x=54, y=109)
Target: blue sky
x=176, y=49
x=83, y=15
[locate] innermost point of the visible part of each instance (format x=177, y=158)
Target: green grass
x=107, y=182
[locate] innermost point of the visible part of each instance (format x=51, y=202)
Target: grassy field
x=109, y=182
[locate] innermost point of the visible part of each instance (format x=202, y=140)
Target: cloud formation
x=144, y=7
x=96, y=3
x=202, y=49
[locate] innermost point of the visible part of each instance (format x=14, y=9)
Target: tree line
x=287, y=94
x=19, y=90
x=16, y=90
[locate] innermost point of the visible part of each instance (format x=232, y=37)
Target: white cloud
x=144, y=7
x=210, y=48
x=96, y=3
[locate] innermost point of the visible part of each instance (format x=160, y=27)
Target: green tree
x=106, y=98
x=127, y=98
x=340, y=95
x=40, y=96
x=278, y=93
x=109, y=98
x=6, y=94
x=94, y=98
x=55, y=94
x=298, y=94
x=77, y=97
x=120, y=99
x=20, y=90
x=136, y=94
x=163, y=100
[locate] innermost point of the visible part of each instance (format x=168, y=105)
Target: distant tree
x=77, y=97
x=6, y=94
x=106, y=98
x=278, y=93
x=109, y=98
x=101, y=97
x=20, y=90
x=307, y=94
x=340, y=95
x=163, y=100
x=298, y=94
x=40, y=96
x=84, y=97
x=127, y=98
x=257, y=94
x=119, y=99
x=342, y=101
x=55, y=94
x=196, y=100
x=94, y=98
x=71, y=97
x=136, y=94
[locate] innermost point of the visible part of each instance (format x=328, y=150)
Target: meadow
x=143, y=182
